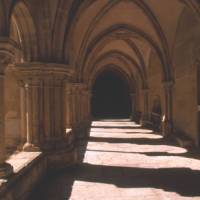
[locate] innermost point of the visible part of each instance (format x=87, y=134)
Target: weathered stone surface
x=53, y=52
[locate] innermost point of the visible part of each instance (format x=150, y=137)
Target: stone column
x=83, y=104
x=9, y=53
x=44, y=102
x=74, y=106
x=88, y=109
x=5, y=169
x=85, y=107
x=68, y=106
x=78, y=104
x=33, y=96
x=71, y=107
x=133, y=106
x=167, y=121
x=145, y=115
x=22, y=115
x=89, y=96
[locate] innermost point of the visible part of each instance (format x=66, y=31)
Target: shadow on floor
x=59, y=185
x=148, y=141
x=186, y=155
x=183, y=181
x=168, y=179
x=116, y=127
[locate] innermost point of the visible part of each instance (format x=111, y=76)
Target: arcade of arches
x=64, y=63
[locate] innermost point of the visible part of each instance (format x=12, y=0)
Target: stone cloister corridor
x=123, y=161
x=99, y=99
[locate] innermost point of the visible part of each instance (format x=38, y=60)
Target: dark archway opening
x=111, y=96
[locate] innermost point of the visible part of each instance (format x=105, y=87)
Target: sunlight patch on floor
x=115, y=124
x=99, y=191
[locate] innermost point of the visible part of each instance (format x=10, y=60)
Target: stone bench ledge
x=27, y=169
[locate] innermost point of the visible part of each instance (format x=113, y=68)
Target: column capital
x=79, y=85
x=10, y=52
x=76, y=87
x=36, y=74
x=44, y=69
x=168, y=84
x=145, y=90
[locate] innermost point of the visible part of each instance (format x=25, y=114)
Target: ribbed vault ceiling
x=90, y=33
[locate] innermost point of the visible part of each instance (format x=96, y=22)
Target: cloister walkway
x=123, y=161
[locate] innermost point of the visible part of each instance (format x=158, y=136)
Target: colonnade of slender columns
x=42, y=100
x=145, y=115
x=77, y=108
x=167, y=121
x=133, y=106
x=167, y=125
x=45, y=91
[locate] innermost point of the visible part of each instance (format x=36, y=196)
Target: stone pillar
x=89, y=96
x=77, y=90
x=133, y=107
x=78, y=104
x=43, y=85
x=167, y=121
x=31, y=108
x=32, y=98
x=68, y=105
x=9, y=53
x=22, y=115
x=74, y=106
x=5, y=169
x=88, y=109
x=85, y=106
x=145, y=115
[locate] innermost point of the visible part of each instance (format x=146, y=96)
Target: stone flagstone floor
x=122, y=161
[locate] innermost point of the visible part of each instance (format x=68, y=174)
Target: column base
x=5, y=170
x=20, y=146
x=30, y=148
x=144, y=121
x=167, y=129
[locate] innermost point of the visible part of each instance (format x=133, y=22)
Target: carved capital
x=10, y=53
x=168, y=84
x=77, y=88
x=145, y=91
x=37, y=74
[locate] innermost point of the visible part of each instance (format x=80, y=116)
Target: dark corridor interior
x=111, y=96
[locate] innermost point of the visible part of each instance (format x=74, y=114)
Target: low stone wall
x=29, y=168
